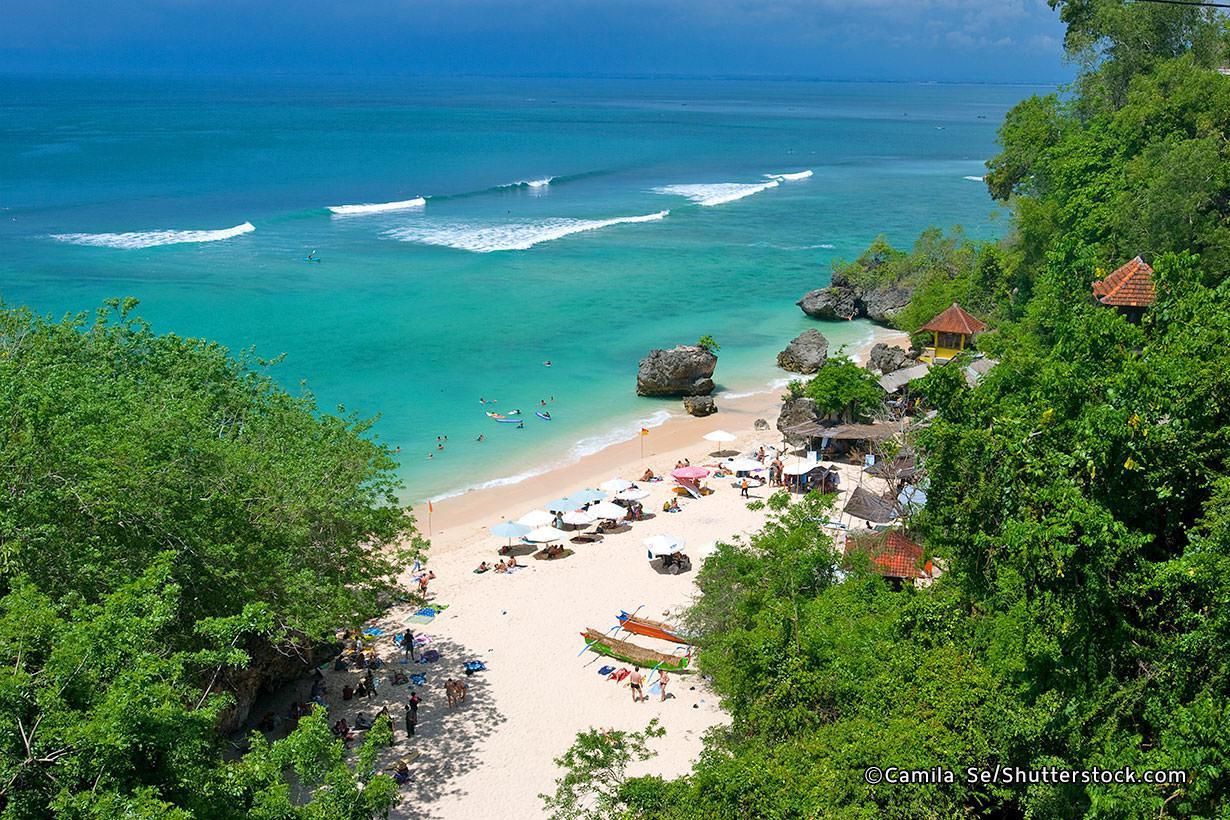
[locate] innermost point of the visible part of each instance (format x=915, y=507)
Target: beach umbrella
x=609, y=511
x=537, y=518
x=510, y=530
x=545, y=535
x=635, y=494
x=588, y=496
x=578, y=518
x=663, y=545
x=742, y=465
x=720, y=436
x=689, y=473
x=800, y=467
x=562, y=505
x=615, y=485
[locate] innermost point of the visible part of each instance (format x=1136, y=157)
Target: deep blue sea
x=575, y=221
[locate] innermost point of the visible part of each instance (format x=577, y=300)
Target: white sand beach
x=492, y=756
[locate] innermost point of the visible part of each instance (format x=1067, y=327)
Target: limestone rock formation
x=887, y=358
x=699, y=405
x=685, y=370
x=807, y=353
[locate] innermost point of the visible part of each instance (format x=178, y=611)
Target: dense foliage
x=841, y=390
x=168, y=513
x=1079, y=497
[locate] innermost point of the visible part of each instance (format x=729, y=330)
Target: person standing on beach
x=407, y=644
x=663, y=679
x=635, y=681
x=412, y=718
x=743, y=489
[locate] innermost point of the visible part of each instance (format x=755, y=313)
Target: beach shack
x=892, y=554
x=841, y=438
x=1129, y=289
x=951, y=331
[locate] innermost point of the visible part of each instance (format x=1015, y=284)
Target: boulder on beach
x=760, y=424
x=887, y=358
x=685, y=370
x=699, y=405
x=807, y=353
x=795, y=412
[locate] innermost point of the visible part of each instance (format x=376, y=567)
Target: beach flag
x=430, y=509
x=644, y=431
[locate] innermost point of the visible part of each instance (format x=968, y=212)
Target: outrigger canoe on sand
x=650, y=629
x=631, y=653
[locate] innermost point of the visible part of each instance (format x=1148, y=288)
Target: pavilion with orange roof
x=951, y=332
x=1129, y=288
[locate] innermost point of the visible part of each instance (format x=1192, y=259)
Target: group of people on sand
x=504, y=565
x=636, y=682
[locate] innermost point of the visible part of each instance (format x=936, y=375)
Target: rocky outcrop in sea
x=685, y=370
x=843, y=300
x=806, y=353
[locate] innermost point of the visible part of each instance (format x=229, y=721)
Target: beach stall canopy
x=663, y=545
x=562, y=505
x=510, y=529
x=536, y=518
x=607, y=510
x=636, y=494
x=863, y=504
x=615, y=485
x=689, y=473
x=720, y=436
x=579, y=518
x=544, y=535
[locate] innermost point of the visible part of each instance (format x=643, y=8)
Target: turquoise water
x=414, y=314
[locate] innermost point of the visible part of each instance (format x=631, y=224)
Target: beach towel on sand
x=619, y=676
x=475, y=666
x=606, y=670
x=418, y=679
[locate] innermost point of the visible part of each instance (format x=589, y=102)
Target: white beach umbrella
x=588, y=496
x=545, y=535
x=615, y=485
x=561, y=505
x=536, y=518
x=800, y=467
x=578, y=518
x=720, y=436
x=742, y=465
x=663, y=545
x=632, y=495
x=609, y=511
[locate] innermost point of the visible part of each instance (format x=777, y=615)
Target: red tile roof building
x=892, y=554
x=954, y=319
x=1130, y=286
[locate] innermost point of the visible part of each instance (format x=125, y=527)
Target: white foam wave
x=150, y=239
x=973, y=178
x=774, y=386
x=378, y=207
x=795, y=177
x=585, y=447
x=516, y=236
x=530, y=183
x=828, y=246
x=717, y=193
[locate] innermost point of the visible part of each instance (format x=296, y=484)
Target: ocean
x=415, y=245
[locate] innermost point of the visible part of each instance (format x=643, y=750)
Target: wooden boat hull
x=633, y=654
x=650, y=629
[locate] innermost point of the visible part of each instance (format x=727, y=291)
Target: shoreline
x=458, y=507
x=539, y=686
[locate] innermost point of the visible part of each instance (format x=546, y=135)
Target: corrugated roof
x=954, y=319
x=1131, y=285
x=892, y=554
x=892, y=382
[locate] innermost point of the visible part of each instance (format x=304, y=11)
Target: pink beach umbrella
x=689, y=473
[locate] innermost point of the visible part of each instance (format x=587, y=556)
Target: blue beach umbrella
x=509, y=529
x=588, y=496
x=563, y=505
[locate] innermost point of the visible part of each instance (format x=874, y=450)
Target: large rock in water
x=686, y=370
x=796, y=412
x=843, y=300
x=807, y=353
x=887, y=358
x=699, y=405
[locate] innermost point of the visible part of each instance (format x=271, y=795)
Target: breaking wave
x=378, y=207
x=150, y=239
x=973, y=178
x=795, y=177
x=717, y=193
x=516, y=236
x=532, y=184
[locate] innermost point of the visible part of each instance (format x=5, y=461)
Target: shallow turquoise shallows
x=580, y=222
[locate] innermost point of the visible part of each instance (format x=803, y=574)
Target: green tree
x=596, y=771
x=843, y=389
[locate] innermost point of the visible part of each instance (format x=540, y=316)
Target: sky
x=944, y=40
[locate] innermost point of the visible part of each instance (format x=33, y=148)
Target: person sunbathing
x=401, y=775
x=342, y=730
x=648, y=476
x=399, y=678
x=512, y=562
x=501, y=567
x=483, y=567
